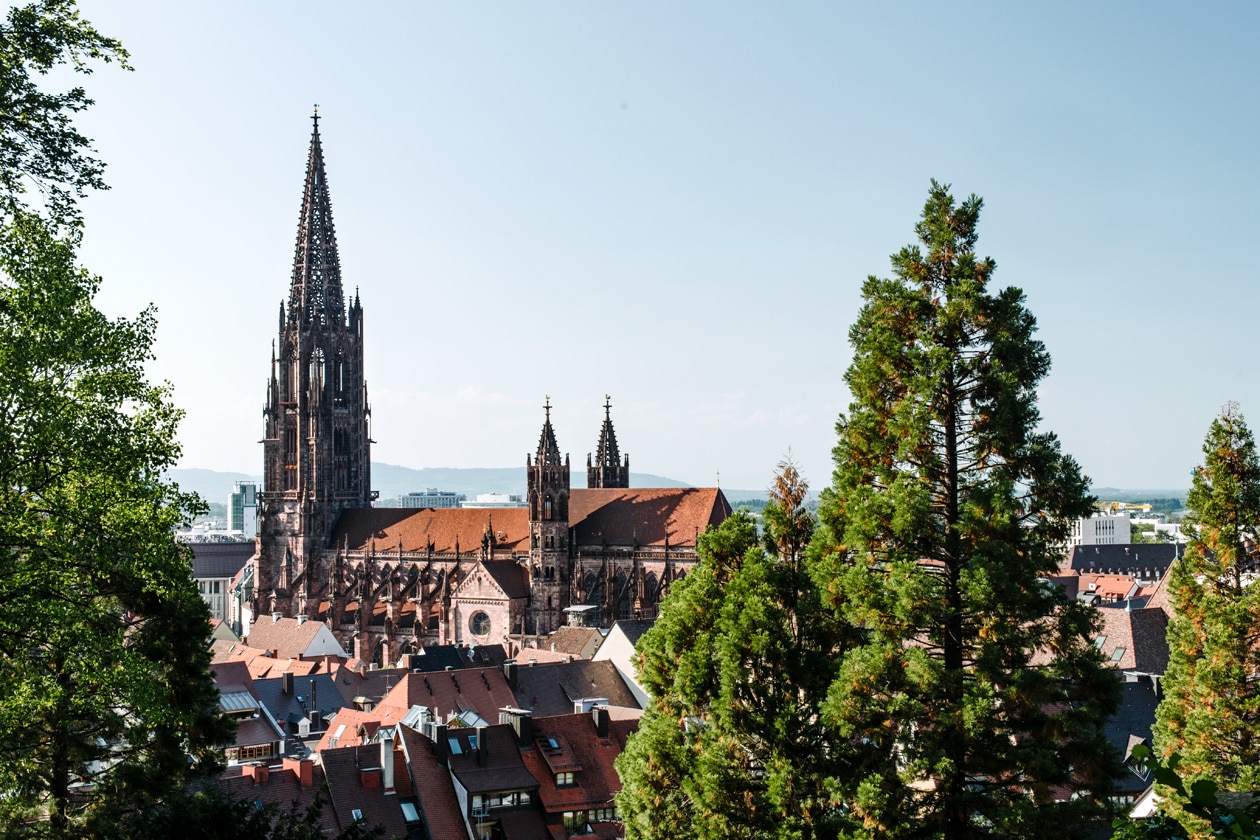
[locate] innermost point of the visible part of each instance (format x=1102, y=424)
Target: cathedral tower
x=316, y=459
x=607, y=470
x=548, y=493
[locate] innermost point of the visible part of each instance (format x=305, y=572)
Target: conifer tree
x=738, y=665
x=1210, y=713
x=977, y=690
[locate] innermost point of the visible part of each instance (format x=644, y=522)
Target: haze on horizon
x=677, y=207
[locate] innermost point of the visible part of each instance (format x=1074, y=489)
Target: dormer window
x=564, y=780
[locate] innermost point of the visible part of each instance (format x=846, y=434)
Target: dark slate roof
x=282, y=706
x=509, y=575
x=499, y=767
x=342, y=767
x=220, y=560
x=1150, y=640
x=550, y=688
x=1133, y=720
x=633, y=629
x=438, y=658
x=370, y=684
x=1152, y=558
x=645, y=517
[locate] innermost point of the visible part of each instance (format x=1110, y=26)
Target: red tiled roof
x=582, y=751
x=288, y=637
x=416, y=528
x=438, y=803
x=481, y=690
x=645, y=517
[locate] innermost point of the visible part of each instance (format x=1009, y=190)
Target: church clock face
x=479, y=624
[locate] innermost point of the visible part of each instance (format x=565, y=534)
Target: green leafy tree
x=738, y=665
x=106, y=702
x=977, y=689
x=40, y=148
x=1210, y=713
x=104, y=676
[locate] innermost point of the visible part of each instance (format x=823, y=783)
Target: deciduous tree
x=106, y=702
x=977, y=688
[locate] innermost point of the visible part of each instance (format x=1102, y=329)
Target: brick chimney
x=258, y=771
x=302, y=768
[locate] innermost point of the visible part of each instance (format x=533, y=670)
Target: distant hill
x=1118, y=495
x=392, y=481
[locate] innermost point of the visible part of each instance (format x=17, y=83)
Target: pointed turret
x=548, y=451
x=315, y=298
x=606, y=468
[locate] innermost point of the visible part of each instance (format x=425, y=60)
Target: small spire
x=548, y=449
x=315, y=117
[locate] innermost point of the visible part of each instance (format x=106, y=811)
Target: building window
x=479, y=624
x=547, y=508
x=564, y=780
x=574, y=819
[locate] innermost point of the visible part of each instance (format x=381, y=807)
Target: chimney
x=483, y=751
x=522, y=723
x=314, y=705
x=600, y=715
x=257, y=771
x=302, y=768
x=286, y=682
x=301, y=619
x=387, y=759
x=439, y=743
x=275, y=616
x=509, y=671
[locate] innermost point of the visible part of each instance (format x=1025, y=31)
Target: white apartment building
x=1101, y=529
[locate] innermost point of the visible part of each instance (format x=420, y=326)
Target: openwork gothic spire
x=606, y=469
x=548, y=450
x=606, y=454
x=315, y=298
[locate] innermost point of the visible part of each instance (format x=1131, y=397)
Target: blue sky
x=676, y=204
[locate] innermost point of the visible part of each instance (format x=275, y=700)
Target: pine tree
x=1210, y=713
x=977, y=691
x=738, y=666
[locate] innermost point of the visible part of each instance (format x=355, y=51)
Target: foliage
x=103, y=665
x=209, y=814
x=40, y=147
x=738, y=666
x=1210, y=714
x=1200, y=802
x=977, y=690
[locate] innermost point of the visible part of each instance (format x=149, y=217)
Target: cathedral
x=390, y=580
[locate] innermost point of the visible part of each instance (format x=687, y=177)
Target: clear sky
x=676, y=204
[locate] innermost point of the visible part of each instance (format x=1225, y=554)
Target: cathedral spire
x=315, y=298
x=606, y=468
x=548, y=449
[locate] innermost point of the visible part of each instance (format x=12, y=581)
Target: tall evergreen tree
x=738, y=665
x=977, y=690
x=1210, y=713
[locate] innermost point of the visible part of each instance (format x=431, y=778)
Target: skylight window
x=1117, y=655
x=456, y=749
x=1099, y=642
